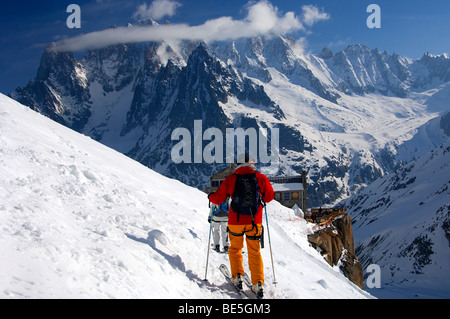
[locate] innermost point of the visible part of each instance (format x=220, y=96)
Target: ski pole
x=209, y=243
x=270, y=245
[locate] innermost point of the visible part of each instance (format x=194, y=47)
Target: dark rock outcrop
x=336, y=244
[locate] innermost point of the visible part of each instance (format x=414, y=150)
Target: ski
x=226, y=273
x=246, y=279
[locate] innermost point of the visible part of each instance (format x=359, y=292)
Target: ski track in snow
x=79, y=220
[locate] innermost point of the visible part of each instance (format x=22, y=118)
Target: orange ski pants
x=255, y=261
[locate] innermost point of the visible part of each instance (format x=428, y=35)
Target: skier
x=313, y=217
x=240, y=224
x=220, y=224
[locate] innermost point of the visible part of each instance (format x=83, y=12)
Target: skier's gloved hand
x=209, y=219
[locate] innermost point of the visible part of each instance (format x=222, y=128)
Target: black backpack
x=246, y=196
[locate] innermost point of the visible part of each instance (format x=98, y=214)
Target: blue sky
x=408, y=27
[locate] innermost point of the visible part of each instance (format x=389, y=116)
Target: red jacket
x=226, y=189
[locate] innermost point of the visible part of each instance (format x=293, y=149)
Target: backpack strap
x=259, y=236
x=237, y=213
x=254, y=237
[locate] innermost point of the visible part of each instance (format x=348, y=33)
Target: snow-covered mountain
x=341, y=117
x=80, y=220
x=401, y=222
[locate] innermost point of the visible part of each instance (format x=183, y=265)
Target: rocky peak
x=438, y=66
x=148, y=22
x=326, y=53
x=334, y=239
x=59, y=64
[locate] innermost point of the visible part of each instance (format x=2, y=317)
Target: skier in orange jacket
x=240, y=224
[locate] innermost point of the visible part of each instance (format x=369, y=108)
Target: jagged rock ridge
x=132, y=96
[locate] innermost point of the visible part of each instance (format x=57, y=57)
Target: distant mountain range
x=401, y=222
x=344, y=118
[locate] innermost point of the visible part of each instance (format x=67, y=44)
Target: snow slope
x=79, y=220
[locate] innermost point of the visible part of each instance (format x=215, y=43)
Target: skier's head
x=245, y=158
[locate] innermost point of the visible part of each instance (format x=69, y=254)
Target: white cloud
x=312, y=14
x=157, y=10
x=298, y=46
x=262, y=19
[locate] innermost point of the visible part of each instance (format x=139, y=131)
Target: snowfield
x=80, y=220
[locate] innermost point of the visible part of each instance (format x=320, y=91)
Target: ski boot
x=237, y=282
x=258, y=290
